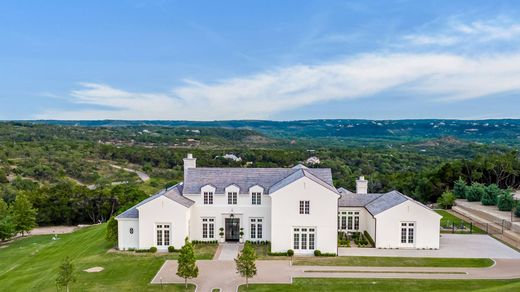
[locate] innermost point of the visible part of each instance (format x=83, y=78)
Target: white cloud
x=444, y=77
x=476, y=32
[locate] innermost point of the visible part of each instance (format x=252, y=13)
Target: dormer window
x=256, y=198
x=208, y=198
x=232, y=198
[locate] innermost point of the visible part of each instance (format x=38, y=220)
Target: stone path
x=222, y=274
x=228, y=251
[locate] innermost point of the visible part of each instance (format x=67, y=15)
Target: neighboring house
x=313, y=160
x=232, y=157
x=293, y=208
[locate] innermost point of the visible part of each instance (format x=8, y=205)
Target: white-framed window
x=232, y=198
x=304, y=238
x=256, y=230
x=407, y=232
x=208, y=198
x=304, y=207
x=256, y=198
x=163, y=234
x=348, y=220
x=208, y=227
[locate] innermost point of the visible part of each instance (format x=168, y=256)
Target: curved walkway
x=222, y=274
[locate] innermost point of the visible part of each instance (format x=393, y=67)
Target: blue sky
x=283, y=60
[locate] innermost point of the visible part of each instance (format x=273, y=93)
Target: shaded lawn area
x=31, y=264
x=262, y=251
x=333, y=284
x=392, y=262
x=448, y=219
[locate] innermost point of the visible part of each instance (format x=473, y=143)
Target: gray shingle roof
x=374, y=203
x=301, y=172
x=174, y=193
x=245, y=178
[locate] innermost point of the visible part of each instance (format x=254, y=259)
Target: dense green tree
x=475, y=192
x=66, y=274
x=446, y=200
x=24, y=215
x=245, y=262
x=111, y=232
x=505, y=201
x=460, y=188
x=187, y=267
x=490, y=195
x=7, y=226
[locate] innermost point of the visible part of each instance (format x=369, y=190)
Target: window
x=348, y=220
x=208, y=198
x=208, y=227
x=304, y=207
x=232, y=198
x=256, y=228
x=131, y=231
x=304, y=238
x=407, y=232
x=356, y=221
x=163, y=234
x=256, y=198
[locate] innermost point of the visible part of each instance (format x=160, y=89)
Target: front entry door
x=232, y=229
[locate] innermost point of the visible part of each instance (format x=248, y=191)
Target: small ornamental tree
x=475, y=192
x=505, y=201
x=111, y=232
x=490, y=196
x=7, y=226
x=187, y=267
x=446, y=200
x=245, y=262
x=460, y=188
x=65, y=274
x=24, y=214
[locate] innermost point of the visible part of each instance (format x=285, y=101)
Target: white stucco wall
x=285, y=215
x=125, y=239
x=163, y=210
x=220, y=209
x=427, y=226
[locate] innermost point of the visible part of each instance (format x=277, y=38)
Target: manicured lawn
x=31, y=264
x=262, y=253
x=448, y=219
x=391, y=262
x=309, y=284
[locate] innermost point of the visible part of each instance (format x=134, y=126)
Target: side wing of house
x=303, y=216
x=408, y=225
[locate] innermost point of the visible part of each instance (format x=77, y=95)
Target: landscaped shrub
x=505, y=201
x=142, y=250
x=446, y=200
x=490, y=196
x=475, y=192
x=327, y=254
x=460, y=188
x=171, y=249
x=317, y=253
x=277, y=254
x=153, y=249
x=290, y=252
x=369, y=238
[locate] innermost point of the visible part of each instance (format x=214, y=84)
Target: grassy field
x=31, y=264
x=448, y=219
x=386, y=285
x=391, y=262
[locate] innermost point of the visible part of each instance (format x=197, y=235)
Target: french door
x=408, y=234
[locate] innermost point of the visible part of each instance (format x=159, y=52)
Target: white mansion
x=294, y=208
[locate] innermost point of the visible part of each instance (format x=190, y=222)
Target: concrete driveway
x=452, y=246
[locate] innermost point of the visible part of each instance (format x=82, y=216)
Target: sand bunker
x=94, y=270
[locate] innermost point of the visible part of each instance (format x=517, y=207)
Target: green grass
x=448, y=218
x=31, y=264
x=392, y=262
x=386, y=285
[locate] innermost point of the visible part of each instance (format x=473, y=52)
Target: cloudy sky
x=206, y=60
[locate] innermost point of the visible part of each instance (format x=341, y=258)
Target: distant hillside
x=506, y=131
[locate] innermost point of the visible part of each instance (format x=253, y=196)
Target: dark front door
x=232, y=229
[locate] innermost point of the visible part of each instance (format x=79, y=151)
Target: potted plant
x=221, y=234
x=241, y=234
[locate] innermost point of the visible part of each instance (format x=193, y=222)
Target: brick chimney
x=361, y=185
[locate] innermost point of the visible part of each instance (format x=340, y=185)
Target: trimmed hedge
x=171, y=249
x=204, y=242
